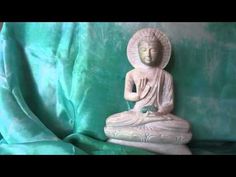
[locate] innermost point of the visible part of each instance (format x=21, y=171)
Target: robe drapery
x=160, y=91
x=50, y=79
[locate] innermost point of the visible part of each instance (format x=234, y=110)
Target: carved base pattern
x=165, y=149
x=143, y=134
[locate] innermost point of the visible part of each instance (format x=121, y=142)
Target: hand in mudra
x=142, y=88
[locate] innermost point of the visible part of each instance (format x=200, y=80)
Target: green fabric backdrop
x=60, y=81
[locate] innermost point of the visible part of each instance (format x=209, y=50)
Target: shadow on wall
x=0, y=26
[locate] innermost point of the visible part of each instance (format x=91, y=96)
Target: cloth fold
x=60, y=81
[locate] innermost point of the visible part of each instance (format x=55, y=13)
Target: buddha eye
x=154, y=50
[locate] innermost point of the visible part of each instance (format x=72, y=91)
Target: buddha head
x=149, y=47
x=150, y=51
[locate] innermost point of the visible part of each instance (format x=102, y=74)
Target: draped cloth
x=60, y=81
x=44, y=106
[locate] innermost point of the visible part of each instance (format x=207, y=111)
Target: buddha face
x=150, y=52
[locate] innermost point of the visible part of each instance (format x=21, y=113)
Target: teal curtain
x=60, y=81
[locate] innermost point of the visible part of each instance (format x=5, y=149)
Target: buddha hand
x=150, y=108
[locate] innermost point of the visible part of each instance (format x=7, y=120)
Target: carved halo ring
x=132, y=48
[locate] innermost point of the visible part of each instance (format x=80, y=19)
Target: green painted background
x=71, y=75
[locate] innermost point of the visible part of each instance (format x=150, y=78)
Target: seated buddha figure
x=149, y=124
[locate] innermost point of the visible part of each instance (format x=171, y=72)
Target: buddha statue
x=149, y=125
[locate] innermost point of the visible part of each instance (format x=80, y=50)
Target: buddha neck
x=149, y=68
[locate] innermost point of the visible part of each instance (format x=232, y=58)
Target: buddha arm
x=128, y=94
x=166, y=97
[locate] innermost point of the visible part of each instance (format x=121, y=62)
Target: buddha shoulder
x=131, y=73
x=167, y=74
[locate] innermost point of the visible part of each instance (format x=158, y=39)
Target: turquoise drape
x=60, y=81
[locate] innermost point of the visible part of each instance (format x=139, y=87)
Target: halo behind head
x=148, y=34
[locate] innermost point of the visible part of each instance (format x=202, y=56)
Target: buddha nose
x=149, y=52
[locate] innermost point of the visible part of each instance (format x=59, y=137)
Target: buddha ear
x=159, y=58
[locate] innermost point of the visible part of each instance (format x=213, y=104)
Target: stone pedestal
x=158, y=134
x=165, y=149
